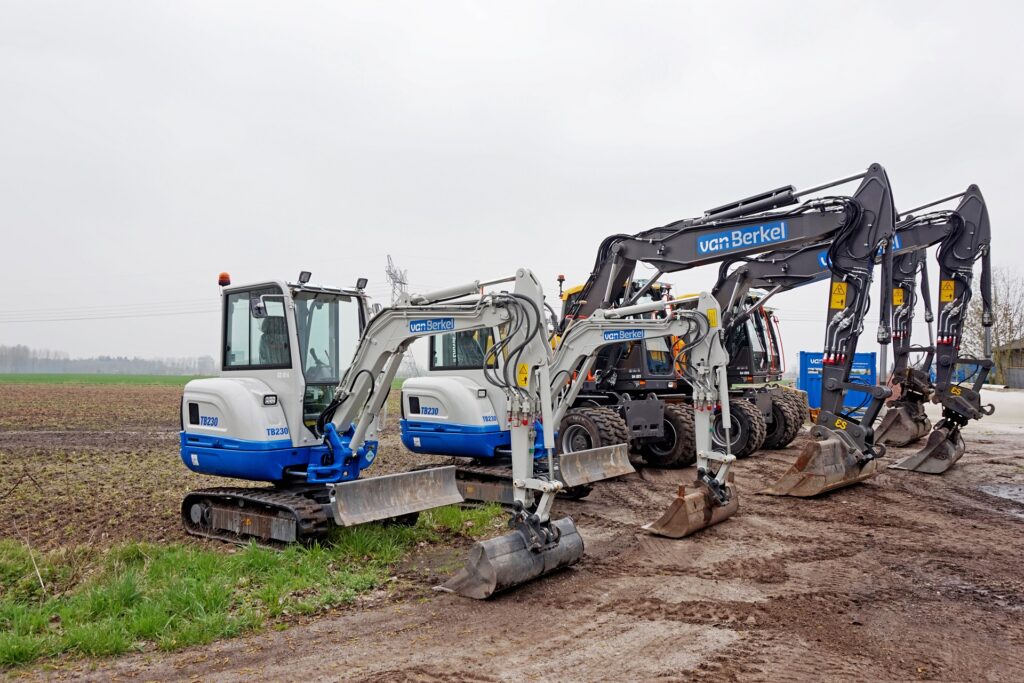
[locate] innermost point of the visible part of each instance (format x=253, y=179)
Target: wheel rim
x=719, y=432
x=576, y=438
x=664, y=445
x=775, y=429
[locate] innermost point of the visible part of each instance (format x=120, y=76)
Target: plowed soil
x=903, y=577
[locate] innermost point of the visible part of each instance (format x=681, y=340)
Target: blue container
x=865, y=371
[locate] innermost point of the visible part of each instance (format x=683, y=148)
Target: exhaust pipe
x=944, y=447
x=831, y=462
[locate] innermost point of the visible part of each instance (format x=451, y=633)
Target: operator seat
x=274, y=341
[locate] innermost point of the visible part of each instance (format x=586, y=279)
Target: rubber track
x=758, y=428
x=312, y=522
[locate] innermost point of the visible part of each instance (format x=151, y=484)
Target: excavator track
x=272, y=517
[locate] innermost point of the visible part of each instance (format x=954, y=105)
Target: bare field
x=903, y=577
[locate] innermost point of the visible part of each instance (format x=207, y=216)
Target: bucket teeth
x=945, y=446
x=693, y=511
x=903, y=424
x=824, y=465
x=507, y=561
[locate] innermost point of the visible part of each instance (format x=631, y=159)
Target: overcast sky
x=145, y=146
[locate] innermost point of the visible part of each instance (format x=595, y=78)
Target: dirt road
x=903, y=577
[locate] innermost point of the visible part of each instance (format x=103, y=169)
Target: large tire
x=588, y=427
x=748, y=428
x=786, y=420
x=679, y=446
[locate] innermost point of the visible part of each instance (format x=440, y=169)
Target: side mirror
x=257, y=308
x=376, y=308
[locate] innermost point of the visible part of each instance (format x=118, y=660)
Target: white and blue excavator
x=306, y=374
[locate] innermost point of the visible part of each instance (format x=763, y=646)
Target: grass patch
x=140, y=596
x=93, y=378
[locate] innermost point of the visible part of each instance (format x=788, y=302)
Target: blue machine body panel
x=465, y=441
x=865, y=371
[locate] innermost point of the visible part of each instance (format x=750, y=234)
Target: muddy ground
x=903, y=577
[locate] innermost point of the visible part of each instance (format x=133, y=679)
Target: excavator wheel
x=748, y=428
x=588, y=427
x=786, y=421
x=678, y=448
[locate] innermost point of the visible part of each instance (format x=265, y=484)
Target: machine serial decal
x=432, y=325
x=766, y=233
x=623, y=335
x=277, y=431
x=205, y=421
x=429, y=410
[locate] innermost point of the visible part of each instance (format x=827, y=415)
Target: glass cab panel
x=328, y=327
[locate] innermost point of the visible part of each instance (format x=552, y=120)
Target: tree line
x=23, y=359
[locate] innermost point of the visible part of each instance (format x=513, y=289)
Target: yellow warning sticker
x=523, y=374
x=713, y=317
x=838, y=297
x=947, y=290
x=897, y=296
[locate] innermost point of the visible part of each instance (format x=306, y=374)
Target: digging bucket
x=902, y=425
x=507, y=561
x=393, y=495
x=594, y=464
x=944, y=447
x=823, y=465
x=693, y=511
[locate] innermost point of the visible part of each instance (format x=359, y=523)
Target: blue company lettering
x=823, y=259
x=208, y=421
x=432, y=325
x=729, y=240
x=490, y=418
x=277, y=431
x=428, y=410
x=623, y=335
x=825, y=262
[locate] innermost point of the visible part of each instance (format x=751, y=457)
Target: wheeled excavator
x=734, y=231
x=965, y=239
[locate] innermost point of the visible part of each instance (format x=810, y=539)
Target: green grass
x=140, y=596
x=92, y=378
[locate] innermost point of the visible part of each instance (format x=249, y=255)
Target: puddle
x=1014, y=492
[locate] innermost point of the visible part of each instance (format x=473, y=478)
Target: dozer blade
x=823, y=466
x=938, y=455
x=595, y=464
x=393, y=495
x=505, y=562
x=693, y=511
x=901, y=426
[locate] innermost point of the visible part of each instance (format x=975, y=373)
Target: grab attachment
x=831, y=462
x=531, y=550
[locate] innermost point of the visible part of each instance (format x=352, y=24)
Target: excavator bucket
x=693, y=511
x=823, y=465
x=508, y=561
x=944, y=448
x=393, y=495
x=595, y=464
x=903, y=424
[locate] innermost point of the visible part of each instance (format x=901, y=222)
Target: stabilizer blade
x=595, y=464
x=393, y=495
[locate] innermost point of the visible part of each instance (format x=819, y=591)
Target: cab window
x=256, y=330
x=461, y=350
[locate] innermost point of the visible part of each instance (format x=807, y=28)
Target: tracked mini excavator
x=964, y=237
x=728, y=233
x=271, y=417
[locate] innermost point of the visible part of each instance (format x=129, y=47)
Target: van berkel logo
x=431, y=325
x=730, y=240
x=623, y=335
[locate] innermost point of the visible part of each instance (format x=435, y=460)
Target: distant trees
x=24, y=359
x=1007, y=313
